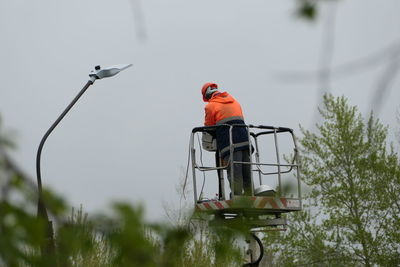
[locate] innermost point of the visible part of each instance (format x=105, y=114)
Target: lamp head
x=99, y=73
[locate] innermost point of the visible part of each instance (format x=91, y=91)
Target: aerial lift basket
x=263, y=208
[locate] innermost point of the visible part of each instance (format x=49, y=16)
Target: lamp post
x=48, y=247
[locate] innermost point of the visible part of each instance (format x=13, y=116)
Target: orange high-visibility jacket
x=224, y=109
x=221, y=107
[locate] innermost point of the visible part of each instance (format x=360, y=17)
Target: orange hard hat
x=205, y=87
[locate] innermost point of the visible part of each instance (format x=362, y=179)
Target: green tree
x=304, y=243
x=352, y=175
x=352, y=218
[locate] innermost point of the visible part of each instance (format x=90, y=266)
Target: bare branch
x=384, y=82
x=346, y=69
x=138, y=17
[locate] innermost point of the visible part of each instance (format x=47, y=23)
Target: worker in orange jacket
x=223, y=109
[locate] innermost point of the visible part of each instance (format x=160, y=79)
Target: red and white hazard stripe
x=256, y=202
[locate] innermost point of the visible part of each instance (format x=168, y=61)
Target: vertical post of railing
x=220, y=173
x=231, y=150
x=278, y=162
x=193, y=155
x=251, y=161
x=257, y=156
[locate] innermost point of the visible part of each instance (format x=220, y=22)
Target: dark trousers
x=241, y=173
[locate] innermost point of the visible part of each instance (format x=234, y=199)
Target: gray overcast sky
x=127, y=137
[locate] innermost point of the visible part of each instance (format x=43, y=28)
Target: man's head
x=208, y=90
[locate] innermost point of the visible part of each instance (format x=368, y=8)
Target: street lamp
x=48, y=246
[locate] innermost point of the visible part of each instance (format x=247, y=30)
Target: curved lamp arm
x=54, y=125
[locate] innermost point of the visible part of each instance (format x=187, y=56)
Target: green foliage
x=352, y=218
x=79, y=244
x=198, y=251
x=304, y=244
x=20, y=232
x=226, y=254
x=123, y=239
x=129, y=239
x=307, y=9
x=120, y=239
